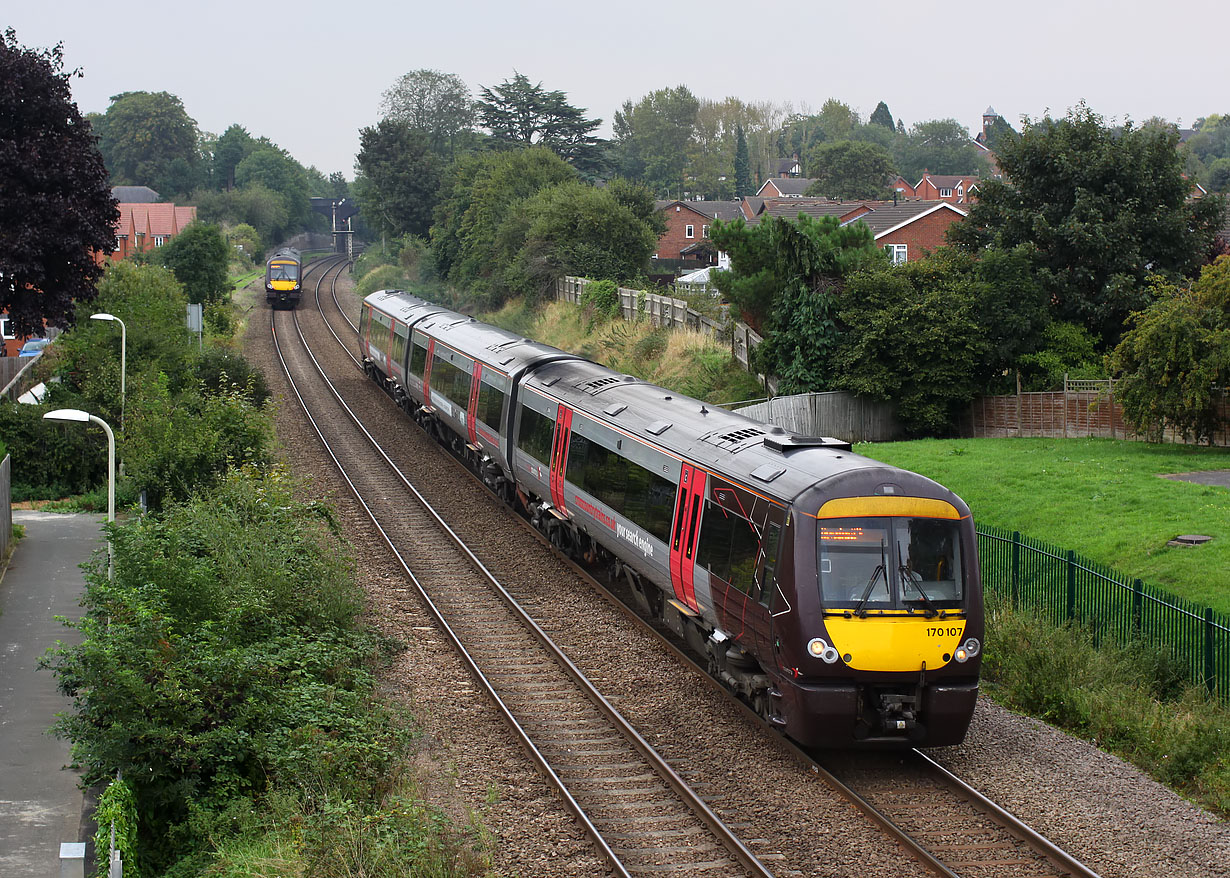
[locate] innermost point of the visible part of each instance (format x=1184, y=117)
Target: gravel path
x=1105, y=812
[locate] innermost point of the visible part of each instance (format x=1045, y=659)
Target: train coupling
x=893, y=716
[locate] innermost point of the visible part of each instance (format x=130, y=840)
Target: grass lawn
x=1102, y=498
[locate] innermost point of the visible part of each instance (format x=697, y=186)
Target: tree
x=785, y=277
x=519, y=113
x=881, y=116
x=143, y=134
x=930, y=335
x=743, y=167
x=651, y=138
x=1219, y=175
x=399, y=178
x=1101, y=208
x=232, y=147
x=849, y=169
x=437, y=105
x=199, y=256
x=274, y=169
x=480, y=227
x=577, y=229
x=1174, y=361
x=56, y=209
x=941, y=146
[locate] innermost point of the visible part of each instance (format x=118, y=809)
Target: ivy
x=117, y=807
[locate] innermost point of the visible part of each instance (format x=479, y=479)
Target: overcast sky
x=308, y=75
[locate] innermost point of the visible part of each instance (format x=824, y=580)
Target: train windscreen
x=890, y=563
x=283, y=271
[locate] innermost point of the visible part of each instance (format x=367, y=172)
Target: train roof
x=495, y=348
x=764, y=457
x=286, y=253
x=402, y=306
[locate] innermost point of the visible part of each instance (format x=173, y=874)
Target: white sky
x=281, y=69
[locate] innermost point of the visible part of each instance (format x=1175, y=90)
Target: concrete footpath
x=40, y=803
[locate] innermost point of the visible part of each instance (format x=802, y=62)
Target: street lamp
x=83, y=417
x=123, y=356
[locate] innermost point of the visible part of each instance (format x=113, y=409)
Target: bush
x=224, y=657
x=601, y=297
x=220, y=370
x=1132, y=700
x=385, y=277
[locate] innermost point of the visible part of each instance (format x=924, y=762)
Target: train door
x=770, y=600
x=686, y=532
x=559, y=455
x=472, y=408
x=431, y=355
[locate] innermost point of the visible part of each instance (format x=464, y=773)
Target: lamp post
x=123, y=357
x=83, y=417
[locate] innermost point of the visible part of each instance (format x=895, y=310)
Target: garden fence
x=6, y=505
x=1064, y=587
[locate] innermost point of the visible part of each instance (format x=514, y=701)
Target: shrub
x=602, y=298
x=384, y=277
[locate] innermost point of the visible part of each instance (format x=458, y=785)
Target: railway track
x=644, y=819
x=949, y=828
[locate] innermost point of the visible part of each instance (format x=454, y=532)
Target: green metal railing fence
x=1065, y=587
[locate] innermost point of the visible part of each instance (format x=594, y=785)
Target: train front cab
x=283, y=284
x=885, y=648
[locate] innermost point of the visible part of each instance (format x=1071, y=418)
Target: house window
x=119, y=242
x=945, y=193
x=704, y=231
x=896, y=252
x=689, y=231
x=159, y=240
x=5, y=328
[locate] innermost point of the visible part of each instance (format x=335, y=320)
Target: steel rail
x=1042, y=845
x=723, y=834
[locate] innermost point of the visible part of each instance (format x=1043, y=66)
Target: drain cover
x=1189, y=540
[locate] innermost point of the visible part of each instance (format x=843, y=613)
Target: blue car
x=33, y=347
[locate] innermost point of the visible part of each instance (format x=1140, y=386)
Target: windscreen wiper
x=915, y=580
x=881, y=569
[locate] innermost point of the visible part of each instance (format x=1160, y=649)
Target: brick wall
x=926, y=232
x=675, y=238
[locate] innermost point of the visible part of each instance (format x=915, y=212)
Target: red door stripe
x=431, y=353
x=472, y=409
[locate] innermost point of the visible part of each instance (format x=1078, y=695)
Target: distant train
x=284, y=278
x=838, y=596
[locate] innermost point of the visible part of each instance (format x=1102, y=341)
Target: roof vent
x=599, y=383
x=613, y=410
x=657, y=428
x=790, y=443
x=767, y=472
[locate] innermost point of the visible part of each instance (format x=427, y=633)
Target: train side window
x=744, y=551
x=418, y=358
x=713, y=553
x=452, y=381
x=399, y=344
x=598, y=471
x=365, y=319
x=649, y=500
x=768, y=588
x=535, y=434
x=490, y=404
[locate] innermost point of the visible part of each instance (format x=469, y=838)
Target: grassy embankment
x=1105, y=500
x=685, y=361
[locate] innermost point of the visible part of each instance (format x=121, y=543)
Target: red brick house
x=790, y=208
x=687, y=229
x=950, y=188
x=143, y=226
x=907, y=229
x=902, y=187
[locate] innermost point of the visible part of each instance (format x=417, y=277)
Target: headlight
x=968, y=650
x=821, y=650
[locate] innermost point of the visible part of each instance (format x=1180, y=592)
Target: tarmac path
x=40, y=802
